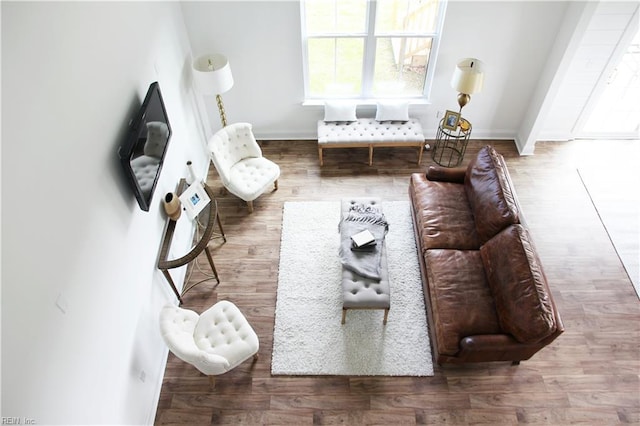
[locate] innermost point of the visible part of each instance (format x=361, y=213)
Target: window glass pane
x=335, y=16
x=406, y=16
x=335, y=66
x=401, y=66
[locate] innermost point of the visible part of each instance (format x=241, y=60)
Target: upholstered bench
x=369, y=133
x=359, y=292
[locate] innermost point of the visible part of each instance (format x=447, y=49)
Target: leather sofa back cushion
x=518, y=285
x=443, y=217
x=490, y=195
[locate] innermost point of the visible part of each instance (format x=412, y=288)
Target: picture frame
x=451, y=120
x=194, y=199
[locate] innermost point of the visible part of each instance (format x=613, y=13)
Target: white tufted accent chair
x=214, y=342
x=238, y=159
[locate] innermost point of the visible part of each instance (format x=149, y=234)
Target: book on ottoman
x=363, y=240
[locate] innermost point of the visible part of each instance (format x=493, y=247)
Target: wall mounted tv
x=145, y=146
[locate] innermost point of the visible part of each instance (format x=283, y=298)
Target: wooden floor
x=589, y=375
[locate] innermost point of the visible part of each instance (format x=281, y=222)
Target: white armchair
x=238, y=159
x=214, y=342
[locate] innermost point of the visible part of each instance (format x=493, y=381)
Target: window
x=366, y=49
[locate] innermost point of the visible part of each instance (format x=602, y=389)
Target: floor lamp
x=467, y=79
x=212, y=75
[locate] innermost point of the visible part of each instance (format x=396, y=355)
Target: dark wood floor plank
x=265, y=417
x=494, y=416
x=321, y=402
x=569, y=416
x=188, y=416
x=368, y=417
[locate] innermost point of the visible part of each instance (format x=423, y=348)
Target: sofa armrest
x=497, y=347
x=487, y=342
x=443, y=174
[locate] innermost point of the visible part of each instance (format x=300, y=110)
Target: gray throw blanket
x=359, y=218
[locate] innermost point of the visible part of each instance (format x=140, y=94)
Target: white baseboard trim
x=521, y=148
x=153, y=410
x=286, y=136
x=555, y=136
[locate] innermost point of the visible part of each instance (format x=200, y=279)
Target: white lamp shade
x=468, y=76
x=212, y=74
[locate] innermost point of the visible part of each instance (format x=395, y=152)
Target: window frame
x=370, y=37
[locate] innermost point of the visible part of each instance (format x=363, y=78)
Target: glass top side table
x=450, y=145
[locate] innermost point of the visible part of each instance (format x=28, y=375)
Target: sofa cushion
x=443, y=217
x=461, y=301
x=490, y=194
x=519, y=285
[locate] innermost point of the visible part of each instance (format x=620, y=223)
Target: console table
x=450, y=145
x=210, y=213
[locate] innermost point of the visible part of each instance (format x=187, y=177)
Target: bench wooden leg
x=320, y=156
x=344, y=315
x=250, y=206
x=420, y=153
x=386, y=315
x=370, y=154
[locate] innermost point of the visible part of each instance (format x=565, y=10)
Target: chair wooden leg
x=386, y=314
x=250, y=206
x=255, y=357
x=275, y=185
x=212, y=381
x=344, y=315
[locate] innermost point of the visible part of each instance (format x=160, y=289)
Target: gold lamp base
x=463, y=99
x=223, y=115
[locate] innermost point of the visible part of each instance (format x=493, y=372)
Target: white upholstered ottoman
x=369, y=133
x=359, y=292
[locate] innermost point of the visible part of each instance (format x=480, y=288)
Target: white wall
x=262, y=41
x=263, y=44
x=73, y=74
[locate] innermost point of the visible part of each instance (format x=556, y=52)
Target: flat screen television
x=143, y=151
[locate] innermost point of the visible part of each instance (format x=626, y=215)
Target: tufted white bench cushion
x=359, y=292
x=367, y=132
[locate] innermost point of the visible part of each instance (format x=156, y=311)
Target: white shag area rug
x=309, y=338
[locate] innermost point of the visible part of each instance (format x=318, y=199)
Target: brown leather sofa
x=486, y=293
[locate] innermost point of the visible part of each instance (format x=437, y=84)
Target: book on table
x=363, y=239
